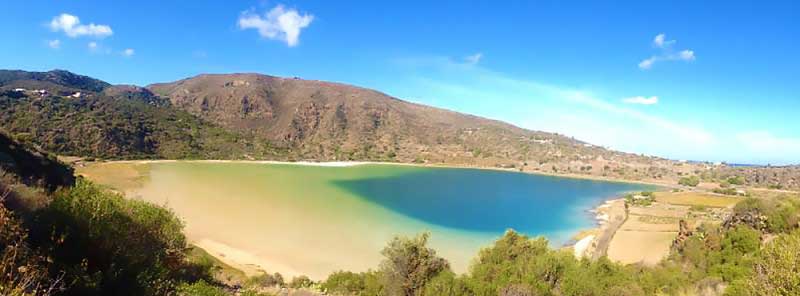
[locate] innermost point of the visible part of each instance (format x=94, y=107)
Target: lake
x=302, y=219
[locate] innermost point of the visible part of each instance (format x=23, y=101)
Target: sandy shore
x=249, y=263
x=609, y=215
x=661, y=183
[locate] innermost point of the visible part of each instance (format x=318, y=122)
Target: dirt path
x=616, y=217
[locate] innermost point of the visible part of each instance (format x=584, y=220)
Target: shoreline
x=425, y=165
x=592, y=244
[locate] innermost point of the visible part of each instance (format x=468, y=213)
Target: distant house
x=76, y=95
x=20, y=90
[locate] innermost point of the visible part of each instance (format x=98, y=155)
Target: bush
x=106, y=244
x=607, y=277
x=736, y=180
x=409, y=264
x=778, y=215
x=345, y=283
x=726, y=191
x=645, y=198
x=516, y=259
x=267, y=280
x=446, y=284
x=776, y=271
x=200, y=288
x=300, y=282
x=22, y=271
x=692, y=181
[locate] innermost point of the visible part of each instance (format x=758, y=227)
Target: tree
x=409, y=265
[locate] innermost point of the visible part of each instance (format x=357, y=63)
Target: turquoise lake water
x=314, y=220
x=491, y=201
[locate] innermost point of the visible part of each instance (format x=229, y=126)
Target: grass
x=696, y=199
x=221, y=271
x=120, y=176
x=658, y=220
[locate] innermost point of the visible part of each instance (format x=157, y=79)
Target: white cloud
x=662, y=42
x=770, y=147
x=97, y=48
x=666, y=54
x=72, y=27
x=466, y=87
x=128, y=52
x=277, y=24
x=473, y=59
x=686, y=55
x=641, y=100
x=54, y=44
x=647, y=63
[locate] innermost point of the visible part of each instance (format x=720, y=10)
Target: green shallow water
x=315, y=220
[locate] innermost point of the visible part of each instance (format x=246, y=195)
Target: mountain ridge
x=257, y=116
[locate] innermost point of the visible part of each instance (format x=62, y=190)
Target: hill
x=254, y=116
x=71, y=114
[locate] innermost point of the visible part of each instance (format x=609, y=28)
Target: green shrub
x=301, y=282
x=266, y=280
x=736, y=180
x=21, y=269
x=446, y=284
x=200, y=288
x=776, y=273
x=344, y=283
x=409, y=264
x=692, y=181
x=105, y=244
x=726, y=191
x=516, y=259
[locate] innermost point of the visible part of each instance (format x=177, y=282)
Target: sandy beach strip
x=249, y=263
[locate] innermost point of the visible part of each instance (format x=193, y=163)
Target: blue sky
x=721, y=83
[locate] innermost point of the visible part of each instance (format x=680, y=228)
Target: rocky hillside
x=331, y=121
x=76, y=115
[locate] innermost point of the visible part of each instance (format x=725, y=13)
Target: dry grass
x=648, y=247
x=697, y=199
x=121, y=176
x=221, y=271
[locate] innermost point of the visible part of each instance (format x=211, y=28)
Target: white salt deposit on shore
x=305, y=163
x=582, y=245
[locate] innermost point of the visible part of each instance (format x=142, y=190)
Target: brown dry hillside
x=324, y=120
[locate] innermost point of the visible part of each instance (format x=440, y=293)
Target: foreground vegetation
x=65, y=236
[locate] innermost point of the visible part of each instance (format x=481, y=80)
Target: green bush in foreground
x=777, y=271
x=409, y=265
x=200, y=288
x=103, y=243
